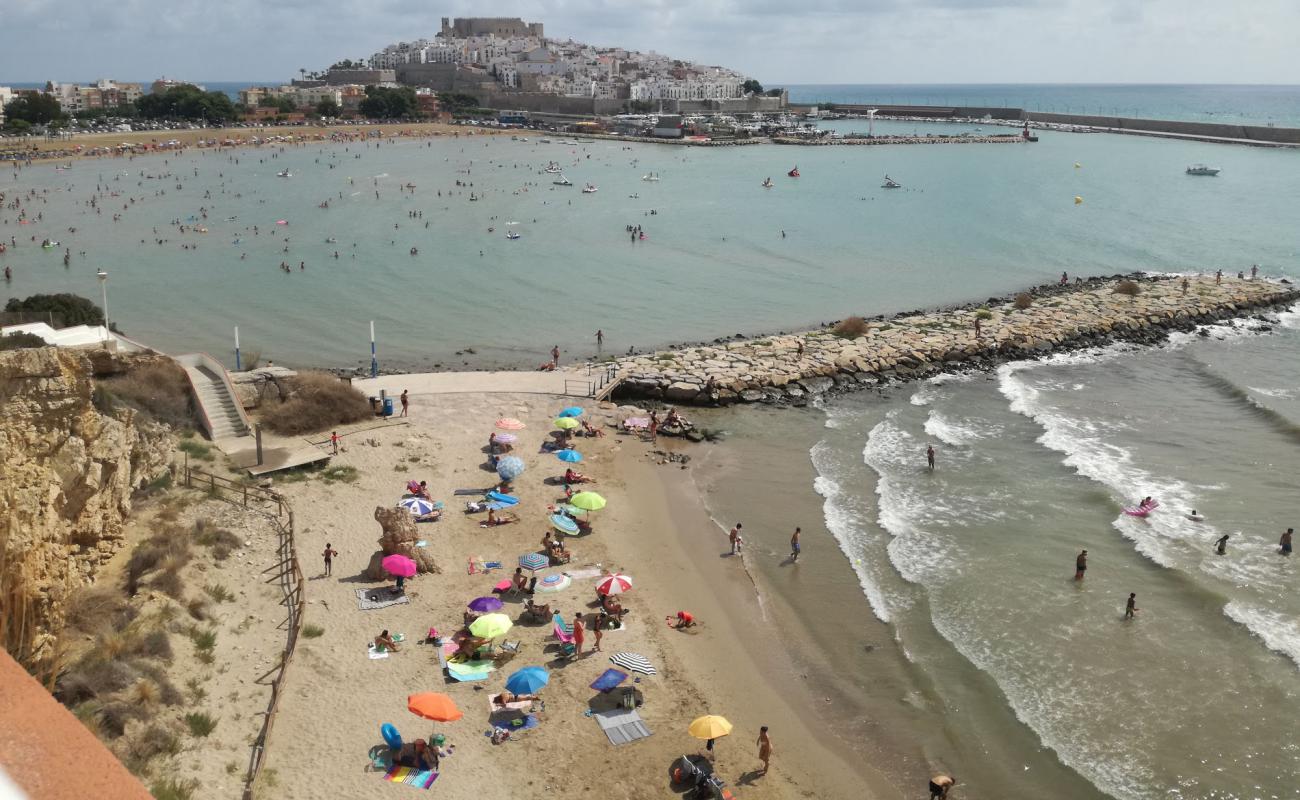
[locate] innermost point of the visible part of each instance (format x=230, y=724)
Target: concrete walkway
x=577, y=383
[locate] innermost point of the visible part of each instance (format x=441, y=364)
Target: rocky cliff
x=67, y=474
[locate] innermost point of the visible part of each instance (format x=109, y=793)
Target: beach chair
x=536, y=612
x=508, y=651
x=568, y=647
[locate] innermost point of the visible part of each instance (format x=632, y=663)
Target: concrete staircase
x=216, y=398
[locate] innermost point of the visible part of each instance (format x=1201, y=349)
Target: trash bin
x=388, y=406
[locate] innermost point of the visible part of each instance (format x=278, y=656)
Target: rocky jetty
x=793, y=367
x=67, y=473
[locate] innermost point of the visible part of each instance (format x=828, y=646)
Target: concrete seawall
x=791, y=367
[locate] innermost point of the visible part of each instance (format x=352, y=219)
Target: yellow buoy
x=1077, y=165
x=1078, y=200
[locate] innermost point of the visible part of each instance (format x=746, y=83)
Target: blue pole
x=374, y=362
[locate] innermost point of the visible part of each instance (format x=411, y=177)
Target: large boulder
x=399, y=536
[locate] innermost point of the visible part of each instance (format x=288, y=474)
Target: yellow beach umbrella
x=490, y=626
x=587, y=501
x=566, y=423
x=709, y=727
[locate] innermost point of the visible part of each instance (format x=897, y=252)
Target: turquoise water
x=1229, y=103
x=973, y=220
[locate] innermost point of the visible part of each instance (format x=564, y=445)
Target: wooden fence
x=287, y=573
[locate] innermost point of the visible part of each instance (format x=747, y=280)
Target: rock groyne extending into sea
x=790, y=368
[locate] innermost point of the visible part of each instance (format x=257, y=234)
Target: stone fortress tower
x=501, y=27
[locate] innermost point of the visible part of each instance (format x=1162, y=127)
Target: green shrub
x=203, y=640
x=21, y=341
x=70, y=308
x=317, y=401
x=850, y=328
x=196, y=449
x=201, y=723
x=173, y=789
x=336, y=474
x=983, y=313
x=219, y=593
x=312, y=631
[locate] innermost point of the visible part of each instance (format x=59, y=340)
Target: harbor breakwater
x=852, y=354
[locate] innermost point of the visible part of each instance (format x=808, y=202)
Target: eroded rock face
x=399, y=536
x=67, y=473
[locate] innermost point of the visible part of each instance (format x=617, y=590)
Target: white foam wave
x=1279, y=632
x=1280, y=394
x=847, y=525
x=950, y=431
x=1290, y=318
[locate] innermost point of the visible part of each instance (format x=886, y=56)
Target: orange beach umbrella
x=433, y=705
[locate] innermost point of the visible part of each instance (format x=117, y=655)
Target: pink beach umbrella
x=510, y=424
x=399, y=565
x=614, y=584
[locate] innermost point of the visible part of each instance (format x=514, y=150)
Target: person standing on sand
x=406, y=402
x=555, y=355
x=1284, y=544
x=764, y=748
x=579, y=634
x=929, y=456
x=977, y=326
x=734, y=536
x=1080, y=565
x=1130, y=608
x=330, y=552
x=334, y=441
x=940, y=785
x=794, y=545
x=598, y=633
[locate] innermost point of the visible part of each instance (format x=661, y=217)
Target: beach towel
x=622, y=726
x=411, y=777
x=383, y=597
x=466, y=492
x=529, y=721
x=609, y=679
x=375, y=652
x=582, y=574
x=466, y=671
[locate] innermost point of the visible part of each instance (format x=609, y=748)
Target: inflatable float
x=1142, y=511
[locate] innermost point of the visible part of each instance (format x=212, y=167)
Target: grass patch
x=850, y=328
x=201, y=723
x=340, y=474
x=316, y=401
x=173, y=789
x=204, y=640
x=219, y=593
x=399, y=468
x=197, y=693
x=168, y=550
x=232, y=767
x=312, y=631
x=270, y=777
x=196, y=449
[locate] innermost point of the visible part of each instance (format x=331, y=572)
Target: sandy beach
x=653, y=529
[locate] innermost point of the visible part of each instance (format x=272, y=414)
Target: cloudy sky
x=777, y=41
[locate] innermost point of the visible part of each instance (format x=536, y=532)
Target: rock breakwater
x=793, y=367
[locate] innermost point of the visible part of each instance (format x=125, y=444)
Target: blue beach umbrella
x=564, y=524
x=510, y=467
x=528, y=680
x=572, y=411
x=416, y=505
x=571, y=456
x=534, y=561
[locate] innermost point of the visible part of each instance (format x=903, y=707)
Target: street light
x=103, y=291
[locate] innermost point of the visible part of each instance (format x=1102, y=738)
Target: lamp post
x=103, y=293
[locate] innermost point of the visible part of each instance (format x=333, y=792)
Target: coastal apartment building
x=6, y=97
x=302, y=96
x=75, y=98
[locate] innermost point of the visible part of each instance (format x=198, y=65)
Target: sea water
x=722, y=255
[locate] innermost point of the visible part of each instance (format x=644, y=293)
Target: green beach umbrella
x=566, y=423
x=490, y=626
x=587, y=501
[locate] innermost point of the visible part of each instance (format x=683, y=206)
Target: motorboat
x=512, y=235
x=794, y=173
x=284, y=173
x=1202, y=169
x=652, y=177
x=544, y=141
x=563, y=181
x=553, y=168
x=890, y=183
x=767, y=183
x=589, y=189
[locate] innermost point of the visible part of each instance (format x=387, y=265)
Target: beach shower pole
x=103, y=290
x=238, y=367
x=374, y=362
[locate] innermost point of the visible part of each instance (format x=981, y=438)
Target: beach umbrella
x=417, y=505
x=485, y=604
x=587, y=501
x=614, y=584
x=510, y=467
x=534, y=561
x=554, y=583
x=566, y=423
x=433, y=705
x=398, y=565
x=568, y=509
x=572, y=411
x=564, y=524
x=636, y=422
x=633, y=662
x=709, y=727
x=490, y=626
x=571, y=456
x=510, y=424
x=528, y=680
x=507, y=438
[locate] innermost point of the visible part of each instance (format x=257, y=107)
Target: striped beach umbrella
x=564, y=524
x=614, y=584
x=507, y=438
x=554, y=583
x=534, y=561
x=510, y=424
x=633, y=662
x=417, y=505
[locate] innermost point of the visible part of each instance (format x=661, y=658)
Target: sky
x=776, y=41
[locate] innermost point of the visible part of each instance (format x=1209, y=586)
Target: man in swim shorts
x=940, y=785
x=1284, y=543
x=1080, y=565
x=794, y=546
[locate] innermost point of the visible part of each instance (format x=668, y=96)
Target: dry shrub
x=154, y=740
x=114, y=715
x=215, y=537
x=1023, y=301
x=94, y=677
x=155, y=644
x=159, y=389
x=168, y=581
x=167, y=551
x=198, y=608
x=99, y=608
x=850, y=328
x=317, y=401
x=168, y=694
x=1129, y=288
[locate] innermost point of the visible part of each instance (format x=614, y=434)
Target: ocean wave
x=1279, y=632
x=845, y=521
x=950, y=431
x=1290, y=318
x=1277, y=394
x=1279, y=422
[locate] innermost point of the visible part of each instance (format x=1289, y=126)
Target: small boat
x=794, y=173
x=1202, y=169
x=512, y=235
x=553, y=168
x=284, y=173
x=652, y=177
x=544, y=141
x=767, y=183
x=589, y=189
x=563, y=181
x=890, y=183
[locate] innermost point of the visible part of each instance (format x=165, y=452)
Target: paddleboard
x=503, y=498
